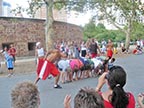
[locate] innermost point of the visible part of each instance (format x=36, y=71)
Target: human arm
x=140, y=100
x=99, y=49
x=101, y=81
x=67, y=101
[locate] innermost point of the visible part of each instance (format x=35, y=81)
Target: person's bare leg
x=57, y=79
x=37, y=79
x=63, y=77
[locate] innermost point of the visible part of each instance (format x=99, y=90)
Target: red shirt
x=12, y=51
x=130, y=105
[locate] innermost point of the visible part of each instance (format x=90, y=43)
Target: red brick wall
x=21, y=31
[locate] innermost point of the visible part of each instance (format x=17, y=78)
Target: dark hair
x=116, y=80
x=113, y=59
x=88, y=98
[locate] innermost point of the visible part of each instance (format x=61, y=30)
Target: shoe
x=9, y=75
x=57, y=86
x=50, y=77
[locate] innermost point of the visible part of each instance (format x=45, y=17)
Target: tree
x=78, y=5
x=128, y=10
x=100, y=32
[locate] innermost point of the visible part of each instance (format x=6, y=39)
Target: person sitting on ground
x=85, y=98
x=25, y=95
x=137, y=50
x=115, y=96
x=141, y=100
x=48, y=65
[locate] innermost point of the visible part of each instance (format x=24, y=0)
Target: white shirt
x=40, y=52
x=63, y=64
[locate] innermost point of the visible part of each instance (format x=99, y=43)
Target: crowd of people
x=26, y=94
x=73, y=61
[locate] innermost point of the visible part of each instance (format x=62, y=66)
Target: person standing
x=93, y=49
x=83, y=49
x=9, y=61
x=103, y=46
x=39, y=52
x=110, y=49
x=12, y=52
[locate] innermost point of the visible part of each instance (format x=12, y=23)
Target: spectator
x=25, y=95
x=110, y=49
x=103, y=46
x=141, y=100
x=9, y=61
x=86, y=98
x=83, y=49
x=12, y=52
x=93, y=49
x=115, y=96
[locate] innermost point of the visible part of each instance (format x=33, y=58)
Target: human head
x=109, y=40
x=11, y=45
x=88, y=98
x=25, y=95
x=117, y=75
x=38, y=44
x=117, y=79
x=93, y=40
x=5, y=48
x=112, y=60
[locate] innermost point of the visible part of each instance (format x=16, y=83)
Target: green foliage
x=100, y=32
x=138, y=31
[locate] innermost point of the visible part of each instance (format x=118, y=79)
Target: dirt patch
x=20, y=68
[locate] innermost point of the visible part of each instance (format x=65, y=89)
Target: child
x=9, y=61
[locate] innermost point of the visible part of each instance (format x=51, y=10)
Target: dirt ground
x=20, y=68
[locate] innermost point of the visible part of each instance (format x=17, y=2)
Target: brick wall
x=25, y=32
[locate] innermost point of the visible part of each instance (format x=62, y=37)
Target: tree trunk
x=127, y=41
x=49, y=25
x=128, y=34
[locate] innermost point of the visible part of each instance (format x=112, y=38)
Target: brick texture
x=22, y=31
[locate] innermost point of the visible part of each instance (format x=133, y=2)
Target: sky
x=81, y=19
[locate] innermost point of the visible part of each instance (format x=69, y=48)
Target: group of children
x=83, y=67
